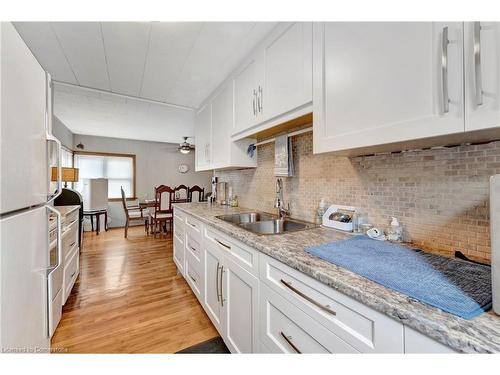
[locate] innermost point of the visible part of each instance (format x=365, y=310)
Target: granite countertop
x=478, y=335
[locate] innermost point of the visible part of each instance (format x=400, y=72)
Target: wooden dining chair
x=163, y=212
x=181, y=194
x=132, y=213
x=199, y=190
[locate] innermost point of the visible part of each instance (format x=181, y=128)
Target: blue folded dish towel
x=456, y=286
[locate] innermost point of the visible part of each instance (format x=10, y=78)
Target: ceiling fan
x=185, y=147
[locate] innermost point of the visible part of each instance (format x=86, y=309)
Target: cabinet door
x=384, y=82
x=203, y=130
x=240, y=296
x=223, y=122
x=482, y=75
x=23, y=118
x=287, y=58
x=245, y=96
x=212, y=280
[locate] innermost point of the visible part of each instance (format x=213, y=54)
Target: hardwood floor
x=129, y=299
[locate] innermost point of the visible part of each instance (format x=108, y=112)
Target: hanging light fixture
x=185, y=147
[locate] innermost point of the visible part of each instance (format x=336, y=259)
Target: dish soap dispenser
x=396, y=231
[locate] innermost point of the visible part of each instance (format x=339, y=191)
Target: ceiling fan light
x=185, y=150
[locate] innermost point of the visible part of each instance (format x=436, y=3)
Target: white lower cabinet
x=240, y=296
x=286, y=329
x=211, y=298
x=260, y=305
x=363, y=328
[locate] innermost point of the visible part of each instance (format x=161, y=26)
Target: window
x=119, y=169
x=66, y=158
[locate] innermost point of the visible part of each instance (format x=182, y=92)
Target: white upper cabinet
x=482, y=75
x=385, y=82
x=246, y=100
x=287, y=56
x=214, y=126
x=274, y=84
x=203, y=134
x=222, y=120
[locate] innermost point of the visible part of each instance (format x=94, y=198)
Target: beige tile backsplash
x=440, y=196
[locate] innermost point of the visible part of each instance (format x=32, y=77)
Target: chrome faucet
x=279, y=202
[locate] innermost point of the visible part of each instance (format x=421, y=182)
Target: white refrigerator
x=30, y=276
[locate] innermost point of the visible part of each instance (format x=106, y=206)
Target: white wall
x=156, y=163
x=62, y=133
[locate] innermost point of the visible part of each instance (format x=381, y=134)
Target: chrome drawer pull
x=307, y=298
x=192, y=278
x=192, y=248
x=193, y=225
x=222, y=244
x=221, y=291
x=288, y=339
x=444, y=69
x=477, y=63
x=217, y=283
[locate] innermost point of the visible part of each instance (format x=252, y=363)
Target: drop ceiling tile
x=83, y=46
x=126, y=47
x=43, y=43
x=170, y=45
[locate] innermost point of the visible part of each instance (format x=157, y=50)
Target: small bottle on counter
x=321, y=211
x=234, y=201
x=395, y=232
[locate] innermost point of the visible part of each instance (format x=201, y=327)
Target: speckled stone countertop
x=478, y=335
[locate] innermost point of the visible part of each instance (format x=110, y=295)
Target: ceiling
x=91, y=112
x=179, y=63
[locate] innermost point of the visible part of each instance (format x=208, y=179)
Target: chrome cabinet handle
x=444, y=70
x=478, y=79
x=50, y=137
x=217, y=283
x=253, y=103
x=307, y=298
x=192, y=248
x=192, y=278
x=59, y=236
x=259, y=100
x=288, y=339
x=222, y=244
x=73, y=274
x=193, y=225
x=221, y=291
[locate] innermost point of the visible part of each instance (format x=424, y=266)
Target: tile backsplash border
x=440, y=196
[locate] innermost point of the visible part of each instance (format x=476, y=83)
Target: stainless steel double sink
x=264, y=223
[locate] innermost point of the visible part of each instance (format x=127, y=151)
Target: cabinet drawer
x=239, y=253
x=70, y=238
x=181, y=215
x=179, y=228
x=71, y=271
x=72, y=216
x=179, y=223
x=193, y=278
x=287, y=329
x=179, y=254
x=193, y=227
x=365, y=329
x=193, y=246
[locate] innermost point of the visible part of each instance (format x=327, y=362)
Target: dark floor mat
x=212, y=346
